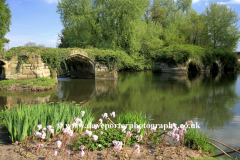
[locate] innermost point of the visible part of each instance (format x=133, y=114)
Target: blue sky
x=37, y=20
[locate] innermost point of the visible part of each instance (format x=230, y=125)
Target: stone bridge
x=190, y=66
x=81, y=67
x=84, y=67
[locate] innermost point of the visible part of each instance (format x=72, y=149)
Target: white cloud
x=199, y=4
x=206, y=4
x=231, y=2
x=52, y=1
x=195, y=1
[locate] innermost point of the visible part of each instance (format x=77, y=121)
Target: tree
x=30, y=44
x=223, y=30
x=5, y=22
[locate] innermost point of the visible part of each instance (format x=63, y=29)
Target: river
x=213, y=101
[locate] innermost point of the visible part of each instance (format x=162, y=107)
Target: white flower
x=82, y=113
x=58, y=143
x=139, y=138
x=39, y=126
x=112, y=114
x=100, y=120
x=137, y=147
x=95, y=137
x=124, y=129
x=105, y=115
x=74, y=125
x=95, y=126
x=60, y=125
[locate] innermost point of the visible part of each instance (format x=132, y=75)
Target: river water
x=213, y=101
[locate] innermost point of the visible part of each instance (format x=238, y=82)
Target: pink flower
x=175, y=137
x=44, y=129
x=99, y=145
x=40, y=145
x=145, y=133
x=138, y=128
x=112, y=114
x=89, y=133
x=154, y=128
x=117, y=145
x=58, y=143
x=137, y=147
x=101, y=133
x=43, y=135
x=55, y=153
x=82, y=147
x=95, y=137
x=149, y=151
x=34, y=132
x=68, y=153
x=189, y=122
x=95, y=126
x=82, y=153
x=174, y=125
x=51, y=131
x=128, y=134
x=39, y=126
x=15, y=143
x=49, y=127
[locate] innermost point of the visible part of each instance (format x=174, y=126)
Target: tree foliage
x=30, y=44
x=222, y=26
x=5, y=22
x=141, y=28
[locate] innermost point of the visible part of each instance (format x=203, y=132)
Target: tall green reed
x=23, y=120
x=195, y=139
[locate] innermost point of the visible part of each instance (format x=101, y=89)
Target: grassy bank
x=27, y=124
x=28, y=84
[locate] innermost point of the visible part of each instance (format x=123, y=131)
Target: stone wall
x=102, y=72
x=33, y=67
x=183, y=68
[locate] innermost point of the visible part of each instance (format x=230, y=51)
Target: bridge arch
x=2, y=69
x=81, y=65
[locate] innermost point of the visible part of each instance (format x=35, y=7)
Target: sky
x=37, y=20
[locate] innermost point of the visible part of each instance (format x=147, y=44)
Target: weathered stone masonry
x=33, y=68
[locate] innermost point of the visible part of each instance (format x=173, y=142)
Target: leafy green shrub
x=178, y=54
x=23, y=120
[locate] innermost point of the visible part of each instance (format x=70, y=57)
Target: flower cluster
x=117, y=145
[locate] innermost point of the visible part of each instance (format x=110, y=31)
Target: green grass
x=133, y=117
x=28, y=83
x=23, y=120
x=194, y=139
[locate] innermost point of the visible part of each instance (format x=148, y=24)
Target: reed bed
x=23, y=120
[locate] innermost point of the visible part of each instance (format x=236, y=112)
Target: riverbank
x=34, y=84
x=140, y=143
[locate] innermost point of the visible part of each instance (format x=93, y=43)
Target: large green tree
x=223, y=30
x=5, y=22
